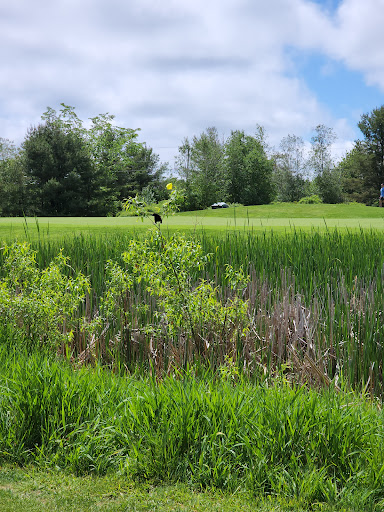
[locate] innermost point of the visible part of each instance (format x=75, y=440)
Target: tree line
x=244, y=169
x=63, y=168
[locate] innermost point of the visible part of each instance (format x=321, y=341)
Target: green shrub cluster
x=167, y=269
x=313, y=199
x=39, y=306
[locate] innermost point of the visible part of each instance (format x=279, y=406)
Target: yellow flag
x=169, y=186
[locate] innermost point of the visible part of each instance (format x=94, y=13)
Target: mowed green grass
x=280, y=217
x=295, y=211
x=33, y=490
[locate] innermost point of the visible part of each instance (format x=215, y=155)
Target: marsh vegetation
x=225, y=360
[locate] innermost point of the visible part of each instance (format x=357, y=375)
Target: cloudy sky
x=175, y=67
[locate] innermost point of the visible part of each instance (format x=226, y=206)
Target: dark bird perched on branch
x=157, y=218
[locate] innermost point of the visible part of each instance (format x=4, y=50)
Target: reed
x=315, y=307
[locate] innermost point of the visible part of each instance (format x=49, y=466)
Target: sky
x=173, y=68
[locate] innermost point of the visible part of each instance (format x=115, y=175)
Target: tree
x=248, y=170
x=80, y=171
x=200, y=163
x=7, y=149
x=354, y=168
x=15, y=200
x=290, y=168
x=320, y=158
x=113, y=149
x=372, y=127
x=143, y=173
x=185, y=169
x=67, y=169
x=327, y=179
x=207, y=156
x=60, y=170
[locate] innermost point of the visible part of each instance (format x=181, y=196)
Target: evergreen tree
x=60, y=170
x=372, y=127
x=144, y=173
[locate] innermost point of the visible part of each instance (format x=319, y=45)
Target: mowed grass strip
x=33, y=490
x=280, y=217
x=296, y=211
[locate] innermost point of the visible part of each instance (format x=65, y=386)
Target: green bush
x=39, y=306
x=313, y=199
x=167, y=269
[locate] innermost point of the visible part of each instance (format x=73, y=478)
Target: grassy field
x=288, y=210
x=295, y=211
x=277, y=217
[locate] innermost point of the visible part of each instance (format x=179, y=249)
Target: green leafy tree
x=321, y=157
x=15, y=197
x=248, y=170
x=7, y=149
x=354, y=168
x=327, y=177
x=112, y=149
x=208, y=167
x=185, y=168
x=290, y=170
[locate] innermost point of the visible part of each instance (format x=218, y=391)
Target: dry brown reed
x=314, y=341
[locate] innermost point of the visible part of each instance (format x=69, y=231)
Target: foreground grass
x=303, y=448
x=33, y=490
x=273, y=441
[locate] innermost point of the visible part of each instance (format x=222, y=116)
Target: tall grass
x=315, y=306
x=321, y=291
x=210, y=431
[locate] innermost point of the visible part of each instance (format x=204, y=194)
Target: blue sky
x=174, y=68
x=329, y=5
x=342, y=91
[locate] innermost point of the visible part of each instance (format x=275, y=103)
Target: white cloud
x=174, y=68
x=361, y=38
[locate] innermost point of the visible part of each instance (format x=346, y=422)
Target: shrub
x=313, y=199
x=168, y=269
x=39, y=305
